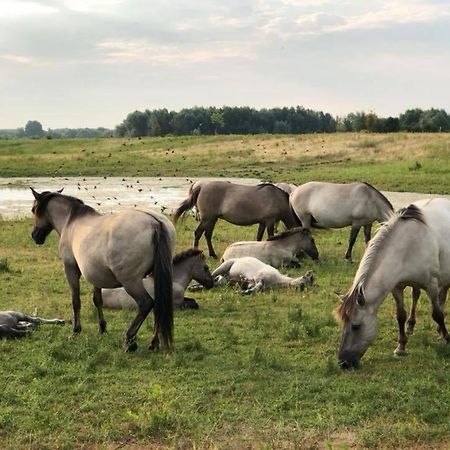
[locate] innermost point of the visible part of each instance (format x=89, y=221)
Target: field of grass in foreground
x=398, y=162
x=246, y=372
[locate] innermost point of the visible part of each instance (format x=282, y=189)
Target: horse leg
x=435, y=296
x=260, y=232
x=189, y=303
x=198, y=233
x=209, y=228
x=145, y=304
x=401, y=320
x=351, y=242
x=73, y=277
x=98, y=302
x=411, y=322
x=38, y=320
x=441, y=299
x=367, y=232
x=270, y=229
x=257, y=287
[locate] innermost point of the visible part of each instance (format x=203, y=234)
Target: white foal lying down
x=14, y=324
x=280, y=250
x=254, y=275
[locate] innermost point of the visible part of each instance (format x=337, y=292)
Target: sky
x=88, y=63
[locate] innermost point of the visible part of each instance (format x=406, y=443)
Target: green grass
x=246, y=372
x=398, y=161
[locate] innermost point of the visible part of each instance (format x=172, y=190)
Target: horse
x=411, y=249
x=277, y=251
x=239, y=204
x=15, y=324
x=286, y=187
x=331, y=205
x=187, y=265
x=253, y=275
x=111, y=251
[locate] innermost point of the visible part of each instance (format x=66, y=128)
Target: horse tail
x=294, y=214
x=162, y=274
x=187, y=204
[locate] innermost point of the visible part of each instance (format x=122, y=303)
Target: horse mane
x=285, y=234
x=383, y=197
x=356, y=292
x=78, y=207
x=268, y=183
x=182, y=256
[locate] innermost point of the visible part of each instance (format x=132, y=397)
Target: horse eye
x=356, y=326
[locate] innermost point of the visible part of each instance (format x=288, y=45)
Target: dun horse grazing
x=411, y=249
x=253, y=275
x=330, y=205
x=15, y=324
x=111, y=251
x=187, y=265
x=239, y=204
x=278, y=250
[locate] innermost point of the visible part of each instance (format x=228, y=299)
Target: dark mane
x=380, y=194
x=266, y=184
x=349, y=302
x=180, y=257
x=78, y=207
x=411, y=212
x=285, y=234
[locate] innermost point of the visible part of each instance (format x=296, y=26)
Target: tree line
x=245, y=120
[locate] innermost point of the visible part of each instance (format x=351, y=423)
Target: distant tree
x=281, y=127
x=409, y=120
x=434, y=120
x=33, y=128
x=136, y=124
x=217, y=120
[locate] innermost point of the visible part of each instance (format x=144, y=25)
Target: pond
x=105, y=194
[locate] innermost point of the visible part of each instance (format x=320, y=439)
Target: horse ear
x=36, y=195
x=59, y=192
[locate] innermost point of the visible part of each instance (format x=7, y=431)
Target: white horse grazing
x=253, y=275
x=411, y=249
x=278, y=250
x=330, y=205
x=15, y=324
x=187, y=265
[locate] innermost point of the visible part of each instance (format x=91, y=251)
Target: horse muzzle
x=38, y=237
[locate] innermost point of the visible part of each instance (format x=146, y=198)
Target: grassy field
x=401, y=161
x=257, y=372
x=246, y=372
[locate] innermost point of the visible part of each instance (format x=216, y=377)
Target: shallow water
x=115, y=193
x=104, y=194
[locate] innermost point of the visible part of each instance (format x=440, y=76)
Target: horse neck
x=58, y=211
x=182, y=273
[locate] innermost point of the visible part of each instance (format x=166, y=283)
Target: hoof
x=131, y=347
x=77, y=329
x=399, y=353
x=409, y=331
x=154, y=345
x=189, y=304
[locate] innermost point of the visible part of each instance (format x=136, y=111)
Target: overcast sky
x=88, y=63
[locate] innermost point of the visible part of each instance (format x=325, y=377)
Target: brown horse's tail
x=162, y=274
x=187, y=204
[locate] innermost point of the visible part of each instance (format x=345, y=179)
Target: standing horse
x=15, y=324
x=187, y=265
x=278, y=250
x=111, y=251
x=239, y=204
x=411, y=249
x=330, y=205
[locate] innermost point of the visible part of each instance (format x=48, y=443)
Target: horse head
x=42, y=223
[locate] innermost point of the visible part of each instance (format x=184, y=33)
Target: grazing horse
x=411, y=249
x=239, y=204
x=15, y=324
x=330, y=205
x=110, y=251
x=187, y=265
x=253, y=275
x=278, y=250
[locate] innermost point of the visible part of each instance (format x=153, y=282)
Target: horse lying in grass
x=411, y=249
x=187, y=265
x=278, y=250
x=253, y=275
x=331, y=205
x=239, y=204
x=15, y=324
x=110, y=251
